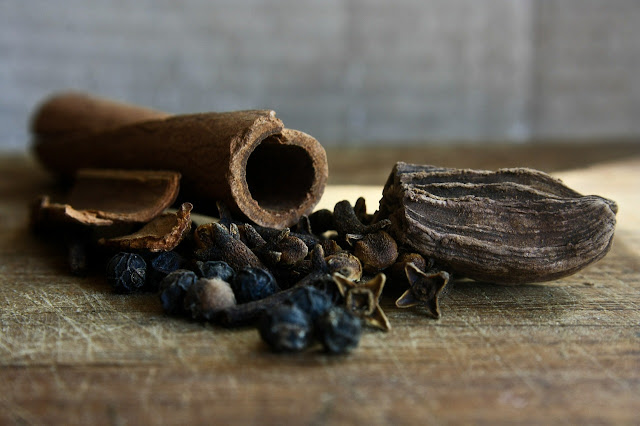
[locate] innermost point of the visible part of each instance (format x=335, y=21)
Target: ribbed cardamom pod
x=511, y=226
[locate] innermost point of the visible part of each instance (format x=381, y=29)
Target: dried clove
x=330, y=247
x=360, y=209
x=215, y=242
x=292, y=248
x=376, y=251
x=321, y=221
x=272, y=234
x=346, y=264
x=282, y=249
x=349, y=226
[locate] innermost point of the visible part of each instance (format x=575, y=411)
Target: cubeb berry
x=252, y=284
x=338, y=330
x=173, y=289
x=215, y=269
x=311, y=301
x=285, y=328
x=163, y=264
x=126, y=272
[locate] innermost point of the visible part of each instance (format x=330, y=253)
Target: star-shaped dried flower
x=424, y=289
x=363, y=299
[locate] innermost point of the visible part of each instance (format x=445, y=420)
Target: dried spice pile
x=318, y=281
x=322, y=279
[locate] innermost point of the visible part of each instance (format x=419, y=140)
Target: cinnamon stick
x=247, y=159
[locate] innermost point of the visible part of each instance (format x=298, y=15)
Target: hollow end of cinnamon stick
x=281, y=179
x=246, y=159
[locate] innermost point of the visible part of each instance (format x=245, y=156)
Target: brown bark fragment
x=163, y=233
x=107, y=197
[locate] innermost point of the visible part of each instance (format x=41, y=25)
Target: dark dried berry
x=208, y=295
x=311, y=301
x=126, y=272
x=215, y=269
x=173, y=289
x=163, y=264
x=285, y=328
x=78, y=258
x=338, y=330
x=252, y=284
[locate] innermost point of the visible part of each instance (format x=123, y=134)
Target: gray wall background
x=346, y=71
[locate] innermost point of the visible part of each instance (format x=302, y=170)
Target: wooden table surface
x=568, y=351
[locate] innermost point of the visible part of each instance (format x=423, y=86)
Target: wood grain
x=73, y=352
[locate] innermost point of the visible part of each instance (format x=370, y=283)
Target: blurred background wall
x=348, y=72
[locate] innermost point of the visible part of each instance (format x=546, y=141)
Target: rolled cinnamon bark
x=247, y=159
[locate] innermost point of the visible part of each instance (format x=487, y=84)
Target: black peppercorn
x=126, y=272
x=252, y=284
x=285, y=328
x=163, y=264
x=215, y=269
x=173, y=289
x=338, y=330
x=311, y=301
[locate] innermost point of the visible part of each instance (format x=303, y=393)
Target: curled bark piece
x=163, y=233
x=247, y=159
x=511, y=226
x=106, y=197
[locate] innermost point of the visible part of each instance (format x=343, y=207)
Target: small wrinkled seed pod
x=376, y=251
x=208, y=294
